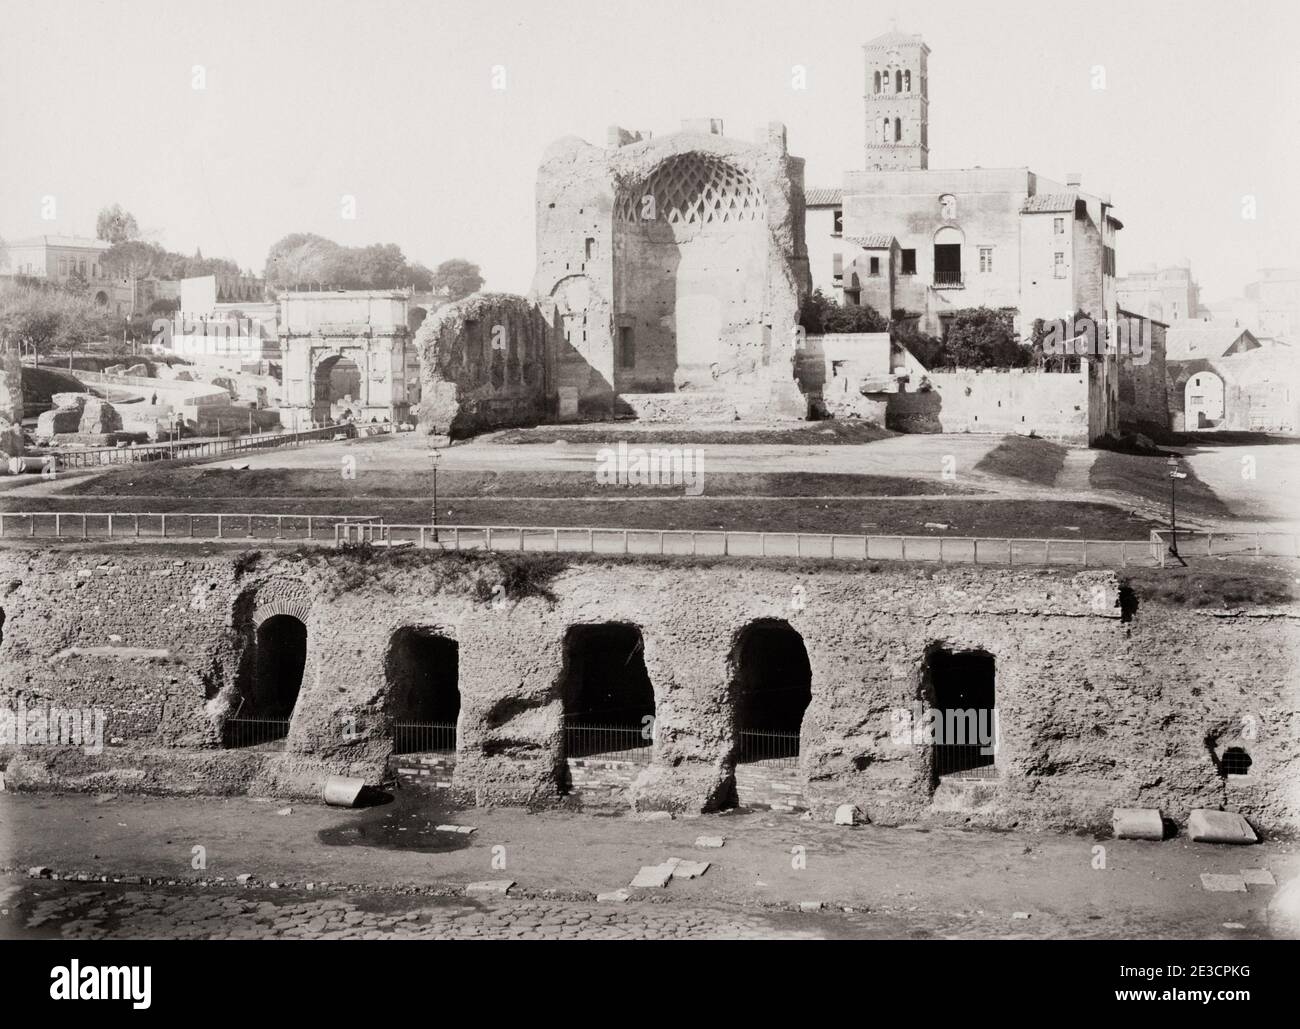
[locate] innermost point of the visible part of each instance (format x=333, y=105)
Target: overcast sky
x=392, y=102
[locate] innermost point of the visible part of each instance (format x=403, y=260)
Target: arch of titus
x=347, y=355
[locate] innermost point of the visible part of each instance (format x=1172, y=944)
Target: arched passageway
x=771, y=688
x=423, y=676
x=609, y=702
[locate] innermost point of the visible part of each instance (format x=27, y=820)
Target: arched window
x=898, y=82
x=884, y=130
x=907, y=82
x=877, y=82
x=898, y=130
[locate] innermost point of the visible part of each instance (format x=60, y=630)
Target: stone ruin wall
x=1096, y=711
x=709, y=306
x=484, y=363
x=11, y=402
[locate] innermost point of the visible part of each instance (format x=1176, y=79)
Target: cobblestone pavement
x=86, y=911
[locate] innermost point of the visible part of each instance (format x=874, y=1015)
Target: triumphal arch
x=346, y=355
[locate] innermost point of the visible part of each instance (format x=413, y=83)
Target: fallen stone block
x=1137, y=823
x=613, y=897
x=689, y=869
x=457, y=828
x=285, y=811
x=342, y=791
x=1216, y=883
x=243, y=878
x=1258, y=877
x=1020, y=914
x=653, y=877
x=710, y=841
x=1219, y=827
x=500, y=886
x=850, y=814
x=39, y=872
x=810, y=905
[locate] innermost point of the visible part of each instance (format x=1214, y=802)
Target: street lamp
x=1174, y=476
x=437, y=456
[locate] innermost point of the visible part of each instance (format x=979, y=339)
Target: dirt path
x=944, y=881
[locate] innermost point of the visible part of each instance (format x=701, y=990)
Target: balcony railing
x=949, y=278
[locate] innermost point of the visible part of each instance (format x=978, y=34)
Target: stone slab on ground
x=1205, y=826
x=689, y=869
x=1137, y=823
x=653, y=877
x=1258, y=877
x=613, y=897
x=849, y=814
x=457, y=828
x=710, y=842
x=489, y=886
x=1215, y=882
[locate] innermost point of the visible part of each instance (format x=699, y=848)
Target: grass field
x=798, y=434
x=200, y=482
x=1022, y=457
x=997, y=518
x=1148, y=477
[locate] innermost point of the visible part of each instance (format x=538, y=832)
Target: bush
x=819, y=314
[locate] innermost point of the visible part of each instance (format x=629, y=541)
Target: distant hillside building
x=900, y=235
x=1165, y=294
x=63, y=259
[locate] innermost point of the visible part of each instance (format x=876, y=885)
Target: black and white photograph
x=703, y=471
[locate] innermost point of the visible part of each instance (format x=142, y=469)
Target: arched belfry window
x=898, y=82
x=877, y=81
x=907, y=82
x=898, y=130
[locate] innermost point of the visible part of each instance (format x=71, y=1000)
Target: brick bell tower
x=897, y=102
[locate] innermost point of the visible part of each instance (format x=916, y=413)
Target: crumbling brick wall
x=1099, y=707
x=484, y=363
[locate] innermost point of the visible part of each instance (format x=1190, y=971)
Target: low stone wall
x=1054, y=405
x=1098, y=707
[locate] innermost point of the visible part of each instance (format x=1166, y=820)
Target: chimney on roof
x=1073, y=179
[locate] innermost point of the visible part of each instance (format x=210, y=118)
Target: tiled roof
x=822, y=197
x=1042, y=203
x=893, y=39
x=1186, y=343
x=61, y=241
x=871, y=241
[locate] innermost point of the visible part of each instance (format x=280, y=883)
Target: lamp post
x=437, y=456
x=1174, y=476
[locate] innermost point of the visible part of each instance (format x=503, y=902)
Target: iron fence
x=963, y=761
x=177, y=526
x=93, y=457
x=725, y=543
x=424, y=737
x=776, y=749
x=608, y=742
x=253, y=732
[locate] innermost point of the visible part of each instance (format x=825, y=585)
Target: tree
x=458, y=278
x=981, y=337
x=927, y=349
x=819, y=314
x=115, y=225
x=46, y=320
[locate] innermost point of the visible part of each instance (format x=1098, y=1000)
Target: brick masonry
x=1096, y=711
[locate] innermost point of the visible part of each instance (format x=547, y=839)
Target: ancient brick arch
x=300, y=609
